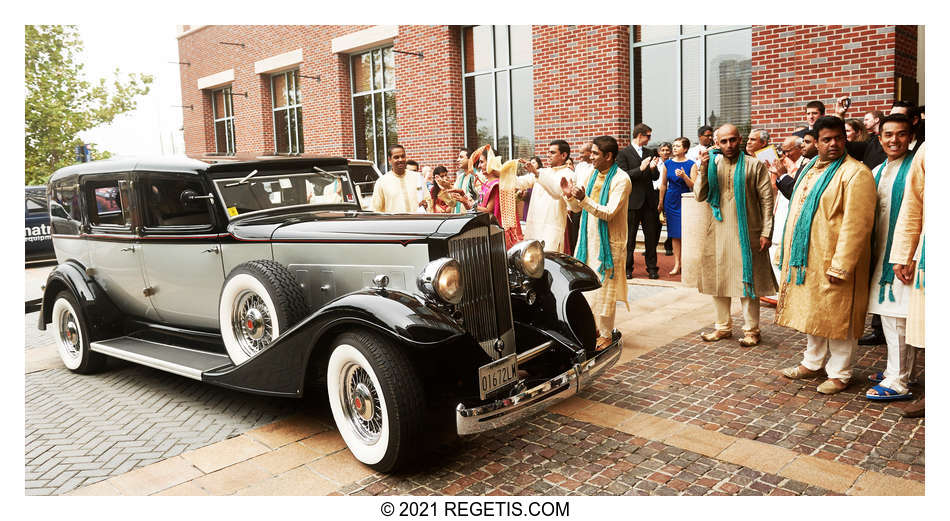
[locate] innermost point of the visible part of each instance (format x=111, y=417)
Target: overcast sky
x=153, y=128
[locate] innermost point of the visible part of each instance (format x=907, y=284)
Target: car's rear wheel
x=260, y=300
x=72, y=336
x=376, y=399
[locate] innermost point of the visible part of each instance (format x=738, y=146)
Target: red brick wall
x=581, y=84
x=326, y=102
x=906, y=54
x=429, y=93
x=795, y=64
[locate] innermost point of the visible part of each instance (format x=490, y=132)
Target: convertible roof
x=130, y=164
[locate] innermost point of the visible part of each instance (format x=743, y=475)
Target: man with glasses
x=705, y=134
x=640, y=163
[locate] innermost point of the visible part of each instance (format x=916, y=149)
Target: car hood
x=352, y=226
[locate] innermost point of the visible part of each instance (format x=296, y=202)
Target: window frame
x=230, y=148
x=370, y=94
x=123, y=182
x=291, y=79
x=141, y=185
x=493, y=71
x=678, y=39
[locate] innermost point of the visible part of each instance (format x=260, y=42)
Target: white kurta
x=898, y=308
x=399, y=194
x=547, y=213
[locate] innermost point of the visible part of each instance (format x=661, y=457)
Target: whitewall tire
x=71, y=334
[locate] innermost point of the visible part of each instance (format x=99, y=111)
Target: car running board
x=179, y=360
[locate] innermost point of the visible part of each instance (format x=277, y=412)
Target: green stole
x=920, y=265
x=738, y=190
x=460, y=184
x=801, y=232
x=897, y=197
x=604, y=256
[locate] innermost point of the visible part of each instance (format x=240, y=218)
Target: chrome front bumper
x=509, y=410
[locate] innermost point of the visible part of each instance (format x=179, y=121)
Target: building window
x=709, y=69
x=373, y=84
x=498, y=88
x=288, y=119
x=223, y=109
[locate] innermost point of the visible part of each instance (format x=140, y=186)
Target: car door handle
x=130, y=248
x=211, y=250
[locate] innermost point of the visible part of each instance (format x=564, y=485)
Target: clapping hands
x=571, y=190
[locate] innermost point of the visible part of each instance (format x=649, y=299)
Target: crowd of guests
x=862, y=177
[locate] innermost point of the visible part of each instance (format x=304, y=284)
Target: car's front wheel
x=376, y=399
x=72, y=336
x=260, y=300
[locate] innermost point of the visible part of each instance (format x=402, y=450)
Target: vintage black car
x=39, y=243
x=268, y=277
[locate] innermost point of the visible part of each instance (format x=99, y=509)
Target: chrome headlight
x=442, y=279
x=528, y=258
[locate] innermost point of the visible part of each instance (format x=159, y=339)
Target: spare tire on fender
x=260, y=300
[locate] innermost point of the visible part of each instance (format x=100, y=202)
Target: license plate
x=497, y=374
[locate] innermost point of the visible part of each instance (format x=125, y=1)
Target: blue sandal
x=876, y=378
x=885, y=394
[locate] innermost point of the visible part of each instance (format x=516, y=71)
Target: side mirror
x=189, y=196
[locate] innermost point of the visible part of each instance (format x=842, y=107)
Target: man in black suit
x=640, y=164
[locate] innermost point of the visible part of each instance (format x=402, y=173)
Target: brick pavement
x=713, y=419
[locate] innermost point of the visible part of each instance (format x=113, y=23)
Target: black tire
x=270, y=292
x=388, y=439
x=71, y=332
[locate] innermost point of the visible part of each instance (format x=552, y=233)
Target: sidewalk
x=674, y=416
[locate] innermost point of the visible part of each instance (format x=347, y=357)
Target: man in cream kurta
x=603, y=301
x=890, y=301
x=399, y=190
x=830, y=303
x=547, y=214
x=907, y=256
x=722, y=260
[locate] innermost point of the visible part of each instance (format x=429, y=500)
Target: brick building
x=252, y=91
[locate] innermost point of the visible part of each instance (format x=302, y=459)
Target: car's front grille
x=486, y=302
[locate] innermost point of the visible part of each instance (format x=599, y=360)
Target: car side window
x=107, y=203
x=169, y=202
x=65, y=212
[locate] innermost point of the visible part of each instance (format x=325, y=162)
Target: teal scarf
x=801, y=233
x=738, y=190
x=897, y=197
x=604, y=256
x=468, y=187
x=920, y=265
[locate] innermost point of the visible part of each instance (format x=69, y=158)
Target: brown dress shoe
x=715, y=336
x=750, y=339
x=914, y=409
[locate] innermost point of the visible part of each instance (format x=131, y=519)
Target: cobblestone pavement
x=740, y=392
x=674, y=417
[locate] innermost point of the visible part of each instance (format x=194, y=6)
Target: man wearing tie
x=640, y=163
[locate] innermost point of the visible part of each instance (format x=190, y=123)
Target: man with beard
x=735, y=255
x=825, y=258
x=547, y=214
x=400, y=190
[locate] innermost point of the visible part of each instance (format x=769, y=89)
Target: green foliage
x=60, y=103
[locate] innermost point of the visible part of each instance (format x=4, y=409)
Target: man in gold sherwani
x=399, y=190
x=735, y=247
x=601, y=194
x=547, y=214
x=825, y=258
x=907, y=256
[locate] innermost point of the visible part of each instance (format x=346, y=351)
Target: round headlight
x=442, y=279
x=528, y=258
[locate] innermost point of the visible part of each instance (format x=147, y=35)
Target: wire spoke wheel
x=361, y=403
x=252, y=323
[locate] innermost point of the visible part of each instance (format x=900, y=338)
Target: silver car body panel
x=118, y=270
x=324, y=280
x=234, y=254
x=185, y=279
x=71, y=247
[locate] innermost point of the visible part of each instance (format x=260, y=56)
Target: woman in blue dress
x=676, y=178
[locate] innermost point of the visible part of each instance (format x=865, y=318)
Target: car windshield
x=264, y=192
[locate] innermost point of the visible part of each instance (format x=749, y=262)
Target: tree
x=60, y=103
